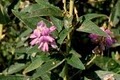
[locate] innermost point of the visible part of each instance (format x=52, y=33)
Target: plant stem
x=91, y=60
x=76, y=13
x=64, y=5
x=1, y=30
x=71, y=7
x=66, y=72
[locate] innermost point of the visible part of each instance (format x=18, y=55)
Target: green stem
x=91, y=60
x=66, y=72
x=71, y=7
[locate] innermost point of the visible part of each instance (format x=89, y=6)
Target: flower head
x=107, y=41
x=42, y=36
x=109, y=77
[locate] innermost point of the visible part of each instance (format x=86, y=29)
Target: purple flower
x=35, y=36
x=94, y=37
x=42, y=36
x=107, y=41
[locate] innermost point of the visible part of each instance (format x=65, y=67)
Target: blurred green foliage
x=20, y=61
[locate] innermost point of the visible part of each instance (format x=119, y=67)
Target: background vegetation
x=76, y=57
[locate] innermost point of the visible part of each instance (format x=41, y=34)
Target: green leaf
x=34, y=65
x=34, y=49
x=91, y=16
x=116, y=32
x=13, y=77
x=39, y=1
x=21, y=42
x=68, y=22
x=90, y=27
x=75, y=53
x=46, y=77
x=28, y=50
x=3, y=16
x=43, y=8
x=63, y=34
x=44, y=12
x=115, y=14
x=57, y=22
x=106, y=63
x=30, y=22
x=47, y=67
x=14, y=68
x=75, y=62
x=51, y=11
x=63, y=72
x=26, y=32
x=102, y=74
x=85, y=78
x=22, y=50
x=32, y=8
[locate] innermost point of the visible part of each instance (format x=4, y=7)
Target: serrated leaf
x=47, y=67
x=75, y=62
x=90, y=27
x=14, y=68
x=34, y=65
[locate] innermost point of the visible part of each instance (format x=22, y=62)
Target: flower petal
x=37, y=33
x=45, y=31
x=52, y=28
x=34, y=41
x=41, y=24
x=42, y=39
x=40, y=45
x=53, y=45
x=94, y=37
x=109, y=41
x=32, y=36
x=45, y=47
x=49, y=38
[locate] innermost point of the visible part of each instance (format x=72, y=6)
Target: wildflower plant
x=42, y=36
x=59, y=40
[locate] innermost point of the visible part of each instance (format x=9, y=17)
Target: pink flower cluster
x=42, y=37
x=107, y=41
